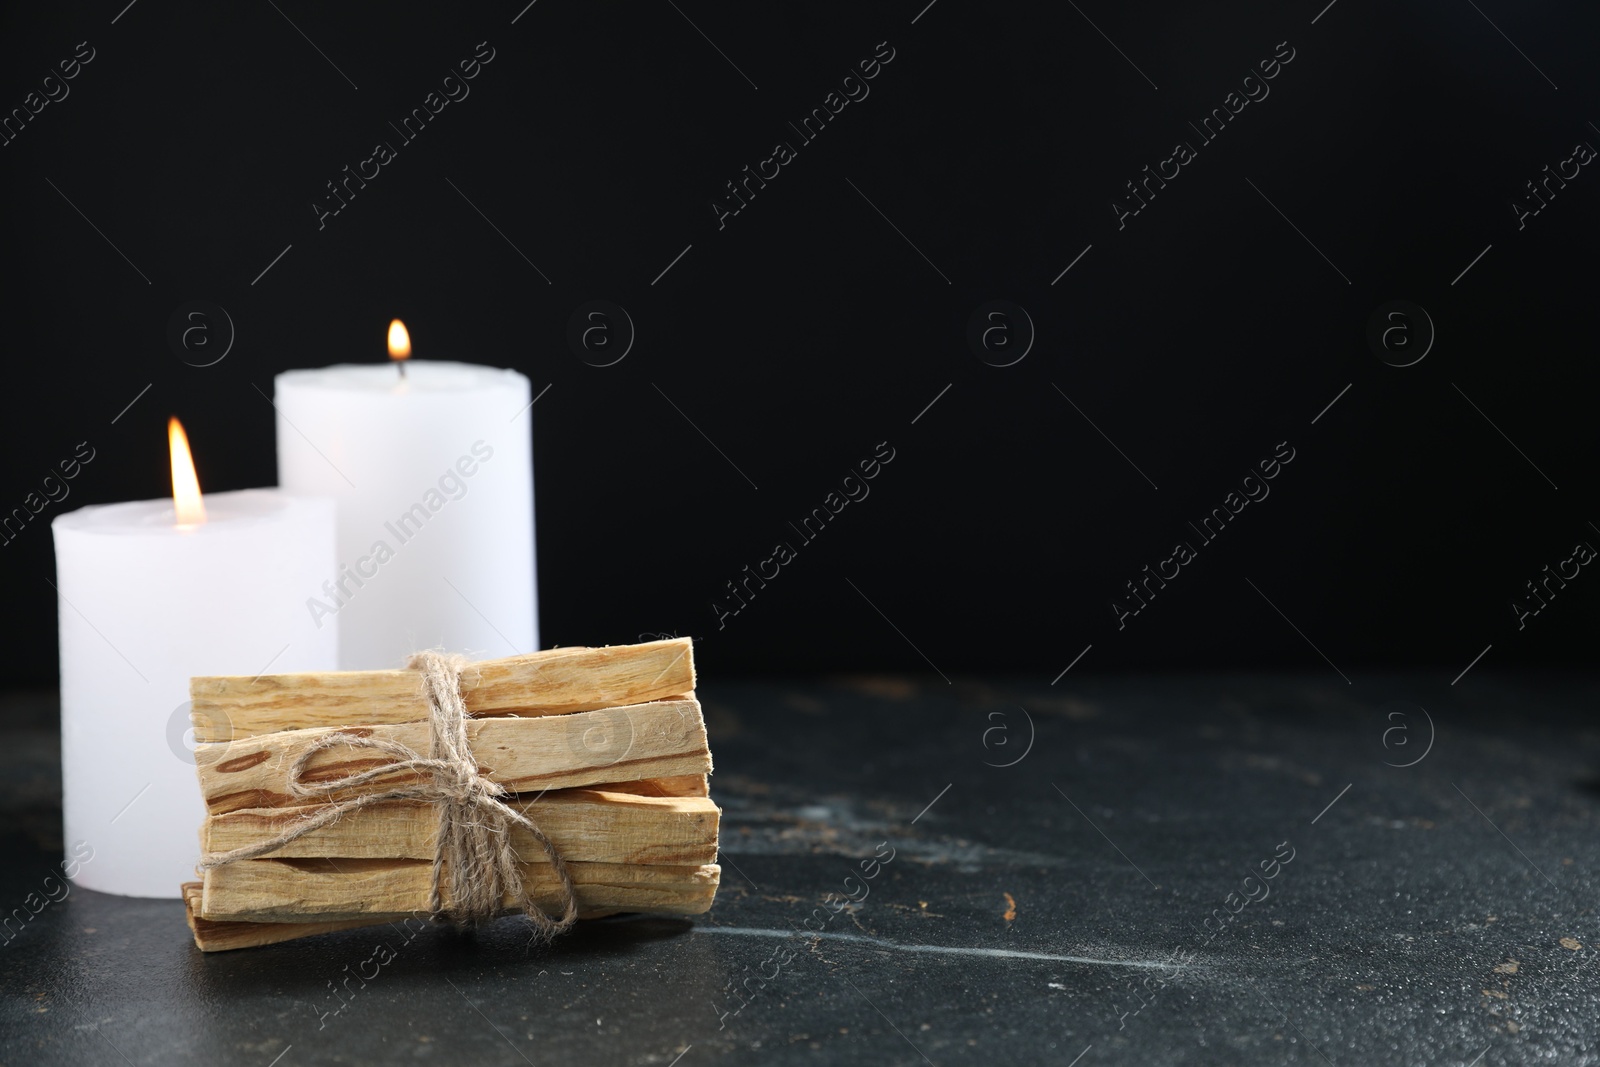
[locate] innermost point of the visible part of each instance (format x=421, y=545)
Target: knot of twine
x=474, y=847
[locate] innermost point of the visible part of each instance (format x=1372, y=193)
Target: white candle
x=433, y=473
x=145, y=603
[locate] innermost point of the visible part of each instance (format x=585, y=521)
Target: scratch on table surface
x=921, y=910
x=777, y=821
x=941, y=950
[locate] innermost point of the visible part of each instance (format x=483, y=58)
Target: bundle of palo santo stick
x=604, y=749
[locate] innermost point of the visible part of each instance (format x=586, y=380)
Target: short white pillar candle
x=146, y=603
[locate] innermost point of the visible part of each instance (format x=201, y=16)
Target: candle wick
x=402, y=365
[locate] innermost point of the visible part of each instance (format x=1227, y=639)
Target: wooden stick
x=681, y=785
x=657, y=740
x=552, y=682
x=211, y=935
x=584, y=825
x=323, y=890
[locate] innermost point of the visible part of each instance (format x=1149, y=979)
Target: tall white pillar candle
x=433, y=473
x=145, y=603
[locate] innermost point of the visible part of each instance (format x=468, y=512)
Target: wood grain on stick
x=324, y=890
x=211, y=935
x=662, y=739
x=583, y=824
x=681, y=785
x=553, y=682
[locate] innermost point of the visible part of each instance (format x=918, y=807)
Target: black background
x=808, y=330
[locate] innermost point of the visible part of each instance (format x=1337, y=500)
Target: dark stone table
x=1073, y=907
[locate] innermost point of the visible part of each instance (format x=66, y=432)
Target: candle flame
x=399, y=341
x=186, y=502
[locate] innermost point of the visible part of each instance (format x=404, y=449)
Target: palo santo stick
x=322, y=890
x=553, y=682
x=211, y=935
x=681, y=785
x=584, y=825
x=657, y=740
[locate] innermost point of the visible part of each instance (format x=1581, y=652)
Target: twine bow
x=474, y=841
